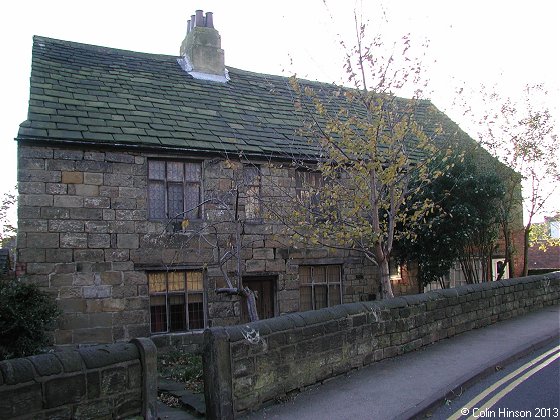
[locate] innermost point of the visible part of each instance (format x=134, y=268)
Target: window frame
x=167, y=182
x=185, y=293
x=303, y=184
x=313, y=284
x=395, y=269
x=252, y=190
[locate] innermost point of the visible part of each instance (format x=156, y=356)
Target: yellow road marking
x=457, y=415
x=515, y=383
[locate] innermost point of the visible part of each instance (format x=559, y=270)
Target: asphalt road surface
x=528, y=388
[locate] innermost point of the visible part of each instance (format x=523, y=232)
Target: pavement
x=189, y=406
x=412, y=385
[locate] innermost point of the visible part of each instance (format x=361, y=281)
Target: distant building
x=545, y=259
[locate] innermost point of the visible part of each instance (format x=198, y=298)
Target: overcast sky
x=511, y=43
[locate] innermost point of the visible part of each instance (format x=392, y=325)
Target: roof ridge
x=99, y=48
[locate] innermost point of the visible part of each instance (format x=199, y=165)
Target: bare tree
x=356, y=189
x=7, y=230
x=522, y=134
x=224, y=231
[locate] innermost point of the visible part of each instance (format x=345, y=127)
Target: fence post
x=217, y=374
x=148, y=359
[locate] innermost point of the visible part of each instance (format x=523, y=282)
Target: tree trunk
x=526, y=250
x=507, y=253
x=251, y=304
x=386, y=288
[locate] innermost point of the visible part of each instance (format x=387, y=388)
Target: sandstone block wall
x=84, y=236
x=110, y=381
x=248, y=365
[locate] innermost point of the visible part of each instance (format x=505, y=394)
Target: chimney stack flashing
x=201, y=53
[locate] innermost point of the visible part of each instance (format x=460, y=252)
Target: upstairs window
x=308, y=184
x=252, y=191
x=174, y=190
x=320, y=286
x=176, y=301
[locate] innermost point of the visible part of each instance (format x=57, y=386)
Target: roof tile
x=97, y=94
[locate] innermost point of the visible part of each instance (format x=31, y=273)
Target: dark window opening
x=320, y=286
x=176, y=301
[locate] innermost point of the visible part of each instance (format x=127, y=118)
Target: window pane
x=319, y=274
x=320, y=297
x=394, y=268
x=171, y=309
x=196, y=311
x=304, y=275
x=177, y=314
x=175, y=200
x=156, y=197
x=334, y=295
x=251, y=175
x=175, y=171
x=300, y=179
x=305, y=298
x=156, y=282
x=156, y=169
x=194, y=280
x=158, y=314
x=176, y=281
x=192, y=171
x=252, y=202
x=333, y=274
x=192, y=192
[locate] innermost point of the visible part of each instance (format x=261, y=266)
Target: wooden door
x=265, y=290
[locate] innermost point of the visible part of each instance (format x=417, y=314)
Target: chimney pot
x=209, y=20
x=188, y=26
x=199, y=18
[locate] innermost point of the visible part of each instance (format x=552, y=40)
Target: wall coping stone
x=17, y=371
x=108, y=354
x=71, y=360
x=415, y=299
x=46, y=364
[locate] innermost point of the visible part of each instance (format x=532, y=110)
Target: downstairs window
x=320, y=286
x=176, y=301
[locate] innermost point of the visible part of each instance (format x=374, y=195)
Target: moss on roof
x=87, y=94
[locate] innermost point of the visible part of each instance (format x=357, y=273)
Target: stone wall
x=246, y=366
x=84, y=237
x=110, y=381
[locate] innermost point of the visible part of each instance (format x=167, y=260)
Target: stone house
x=126, y=157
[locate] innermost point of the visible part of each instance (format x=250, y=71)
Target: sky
x=503, y=42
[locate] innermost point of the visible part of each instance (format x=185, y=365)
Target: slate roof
x=92, y=95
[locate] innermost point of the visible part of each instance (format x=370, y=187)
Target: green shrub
x=26, y=315
x=183, y=367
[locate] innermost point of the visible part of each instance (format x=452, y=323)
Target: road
x=528, y=388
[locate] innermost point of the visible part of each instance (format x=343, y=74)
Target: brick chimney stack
x=201, y=53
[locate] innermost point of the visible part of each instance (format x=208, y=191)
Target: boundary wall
x=107, y=381
x=250, y=365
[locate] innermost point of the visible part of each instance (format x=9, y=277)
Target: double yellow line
x=542, y=361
